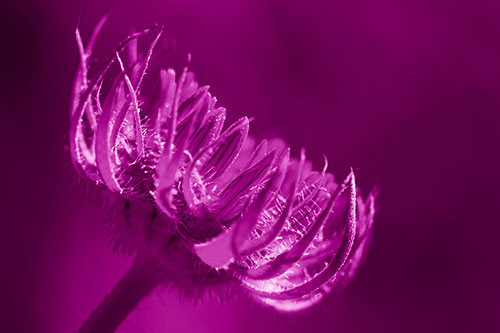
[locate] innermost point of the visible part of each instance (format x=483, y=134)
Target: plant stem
x=144, y=275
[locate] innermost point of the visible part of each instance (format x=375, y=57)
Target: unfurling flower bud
x=289, y=234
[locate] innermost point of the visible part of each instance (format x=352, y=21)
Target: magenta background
x=407, y=93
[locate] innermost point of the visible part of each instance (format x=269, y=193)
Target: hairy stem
x=144, y=275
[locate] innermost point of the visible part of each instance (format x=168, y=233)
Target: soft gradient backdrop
x=407, y=92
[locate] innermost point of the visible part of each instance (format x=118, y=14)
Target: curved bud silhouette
x=201, y=204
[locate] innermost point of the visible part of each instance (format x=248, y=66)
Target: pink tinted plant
x=202, y=206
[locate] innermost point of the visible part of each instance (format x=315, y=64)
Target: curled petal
x=77, y=111
x=107, y=131
x=233, y=197
x=225, y=150
x=167, y=172
x=193, y=103
x=192, y=119
x=135, y=108
x=81, y=81
x=164, y=108
x=210, y=130
x=259, y=243
x=285, y=260
x=149, y=54
x=228, y=143
x=249, y=219
x=168, y=169
x=339, y=281
x=239, y=165
x=258, y=153
x=267, y=289
x=277, y=180
x=292, y=173
x=189, y=85
x=201, y=140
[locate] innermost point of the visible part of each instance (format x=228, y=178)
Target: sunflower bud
x=290, y=235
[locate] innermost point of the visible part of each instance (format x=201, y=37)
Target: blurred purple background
x=406, y=92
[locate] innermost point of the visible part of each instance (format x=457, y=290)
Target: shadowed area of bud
x=289, y=234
